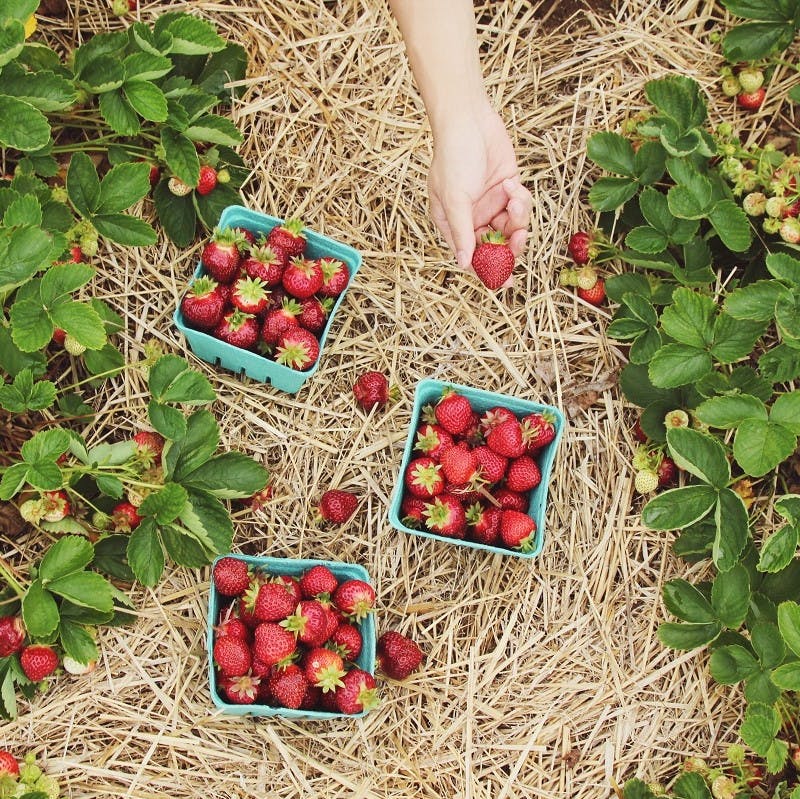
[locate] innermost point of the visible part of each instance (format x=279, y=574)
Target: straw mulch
x=543, y=679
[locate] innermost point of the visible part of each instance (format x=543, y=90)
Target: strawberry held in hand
x=493, y=260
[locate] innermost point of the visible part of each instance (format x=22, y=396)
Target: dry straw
x=542, y=679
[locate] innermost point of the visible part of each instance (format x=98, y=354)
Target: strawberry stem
x=7, y=573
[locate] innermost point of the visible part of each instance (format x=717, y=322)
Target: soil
x=554, y=14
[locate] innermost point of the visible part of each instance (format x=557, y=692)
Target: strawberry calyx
x=203, y=286
x=494, y=237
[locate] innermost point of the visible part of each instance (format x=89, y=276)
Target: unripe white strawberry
x=751, y=80
x=72, y=666
x=724, y=788
x=725, y=130
x=731, y=167
x=568, y=277
x=48, y=786
x=696, y=764
x=771, y=225
x=178, y=187
x=754, y=204
x=731, y=86
x=59, y=194
x=586, y=278
x=223, y=176
x=746, y=180
x=775, y=206
x=646, y=481
x=73, y=346
x=32, y=511
x=790, y=230
x=677, y=418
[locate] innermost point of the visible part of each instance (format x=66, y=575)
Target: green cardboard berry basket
x=220, y=353
x=295, y=568
x=428, y=392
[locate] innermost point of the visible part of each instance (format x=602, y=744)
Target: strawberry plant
x=772, y=27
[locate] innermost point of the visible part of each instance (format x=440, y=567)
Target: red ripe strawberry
x=238, y=329
x=149, y=443
x=347, y=641
x=595, y=295
x=288, y=686
x=250, y=295
x=248, y=238
x=273, y=644
x=8, y=764
x=208, y=180
x=517, y=530
x=334, y=617
x=357, y=693
x=278, y=321
x=302, y=278
x=232, y=626
x=336, y=506
x=324, y=668
x=318, y=581
x=538, y=430
x=493, y=260
x=224, y=290
x=511, y=500
x=231, y=576
x=483, y=524
x=155, y=175
x=38, y=661
x=309, y=623
x=433, y=440
x=413, y=509
x=288, y=237
x=59, y=334
x=473, y=435
x=445, y=516
x=667, y=472
x=355, y=598
x=423, y=478
x=313, y=698
x=638, y=433
x=523, y=474
x=752, y=101
x=291, y=584
x=453, y=412
x=273, y=602
x=492, y=465
x=55, y=506
x=298, y=349
x=579, y=247
x=125, y=517
x=458, y=464
x=12, y=635
x=232, y=656
x=372, y=388
x=399, y=655
x=507, y=439
x=264, y=264
x=202, y=305
x=313, y=315
x=335, y=277
x=241, y=690
x=221, y=256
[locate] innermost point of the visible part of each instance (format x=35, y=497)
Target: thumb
x=459, y=218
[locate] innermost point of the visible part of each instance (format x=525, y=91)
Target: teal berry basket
x=428, y=392
x=220, y=353
x=295, y=568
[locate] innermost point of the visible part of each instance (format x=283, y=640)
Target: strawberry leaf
x=173, y=380
x=83, y=184
x=215, y=130
x=206, y=518
x=183, y=547
x=127, y=230
x=732, y=664
x=229, y=475
x=784, y=268
x=177, y=215
x=676, y=365
x=730, y=596
x=22, y=253
x=39, y=611
x=730, y=411
x=77, y=642
x=755, y=301
x=759, y=446
x=733, y=529
x=166, y=504
x=87, y=589
x=193, y=36
x=145, y=553
x=69, y=554
x=195, y=448
x=181, y=156
x=22, y=126
x=684, y=636
x=612, y=152
x=119, y=113
x=146, y=99
x=122, y=186
x=81, y=321
x=754, y=40
x=168, y=421
x=679, y=507
x=690, y=785
x=683, y=600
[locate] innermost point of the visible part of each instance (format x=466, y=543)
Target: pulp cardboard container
x=428, y=392
x=295, y=568
x=220, y=353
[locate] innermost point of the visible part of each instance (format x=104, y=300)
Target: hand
x=474, y=185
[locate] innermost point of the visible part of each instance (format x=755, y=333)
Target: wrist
x=461, y=113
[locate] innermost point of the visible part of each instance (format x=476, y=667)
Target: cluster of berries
x=584, y=248
x=292, y=642
x=207, y=182
x=653, y=468
x=474, y=472
x=25, y=778
x=265, y=294
x=746, y=84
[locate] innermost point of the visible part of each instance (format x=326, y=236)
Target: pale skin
x=473, y=182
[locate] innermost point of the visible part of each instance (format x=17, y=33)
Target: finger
x=440, y=220
x=459, y=218
x=518, y=241
x=520, y=204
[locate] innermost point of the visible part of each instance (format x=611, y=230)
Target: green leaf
x=780, y=364
x=194, y=36
x=173, y=380
x=222, y=68
x=183, y=547
x=119, y=113
x=181, y=156
x=208, y=520
x=14, y=478
x=612, y=152
x=607, y=194
x=730, y=596
x=110, y=557
x=679, y=98
x=24, y=210
x=214, y=130
x=27, y=249
x=789, y=625
x=111, y=454
x=127, y=230
x=654, y=208
x=690, y=785
x=789, y=507
x=31, y=328
x=699, y=454
x=646, y=239
x=732, y=225
x=756, y=9
x=106, y=361
x=25, y=394
x=83, y=184
x=787, y=677
x=783, y=267
x=81, y=321
x=734, y=339
x=732, y=530
x=86, y=589
x=779, y=549
x=755, y=301
x=123, y=185
x=168, y=421
x=46, y=445
x=787, y=318
x=761, y=725
x=760, y=688
x=110, y=486
x=732, y=664
x=69, y=554
x=635, y=384
x=691, y=200
x=645, y=347
x=697, y=269
x=683, y=600
x=730, y=411
x=22, y=127
x=145, y=553
x=39, y=611
x=625, y=328
x=177, y=215
x=231, y=475
x=103, y=74
x=77, y=642
x=677, y=365
x=43, y=90
x=685, y=636
x=786, y=411
x=209, y=207
x=146, y=66
x=63, y=279
x=754, y=40
x=760, y=446
x=650, y=162
x=689, y=320
x=165, y=504
x=146, y=99
x=679, y=507
x=768, y=644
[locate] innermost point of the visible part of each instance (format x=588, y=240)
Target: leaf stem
x=7, y=573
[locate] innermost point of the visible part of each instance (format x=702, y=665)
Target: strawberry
x=288, y=686
x=493, y=260
x=355, y=598
x=247, y=236
x=250, y=295
x=491, y=465
x=523, y=474
x=313, y=699
x=202, y=305
x=8, y=764
x=231, y=576
x=750, y=79
x=208, y=180
x=318, y=581
x=273, y=644
x=413, y=509
x=334, y=619
x=291, y=584
x=125, y=517
x=178, y=187
x=298, y=349
x=240, y=690
x=238, y=329
x=357, y=693
x=423, y=477
x=55, y=506
x=73, y=346
x=473, y=435
x=372, y=389
x=232, y=656
x=230, y=625
x=494, y=416
x=507, y=439
x=335, y=277
x=453, y=412
x=150, y=444
x=511, y=500
x=313, y=315
x=324, y=668
x=579, y=247
x=432, y=440
x=38, y=661
x=667, y=472
x=517, y=530
x=538, y=430
x=288, y=237
x=638, y=433
x=221, y=256
x=12, y=635
x=646, y=481
x=483, y=524
x=445, y=516
x=336, y=506
x=309, y=623
x=595, y=295
x=302, y=277
x=347, y=641
x=224, y=291
x=273, y=602
x=752, y=101
x=59, y=334
x=155, y=175
x=278, y=321
x=399, y=655
x=458, y=464
x=265, y=264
